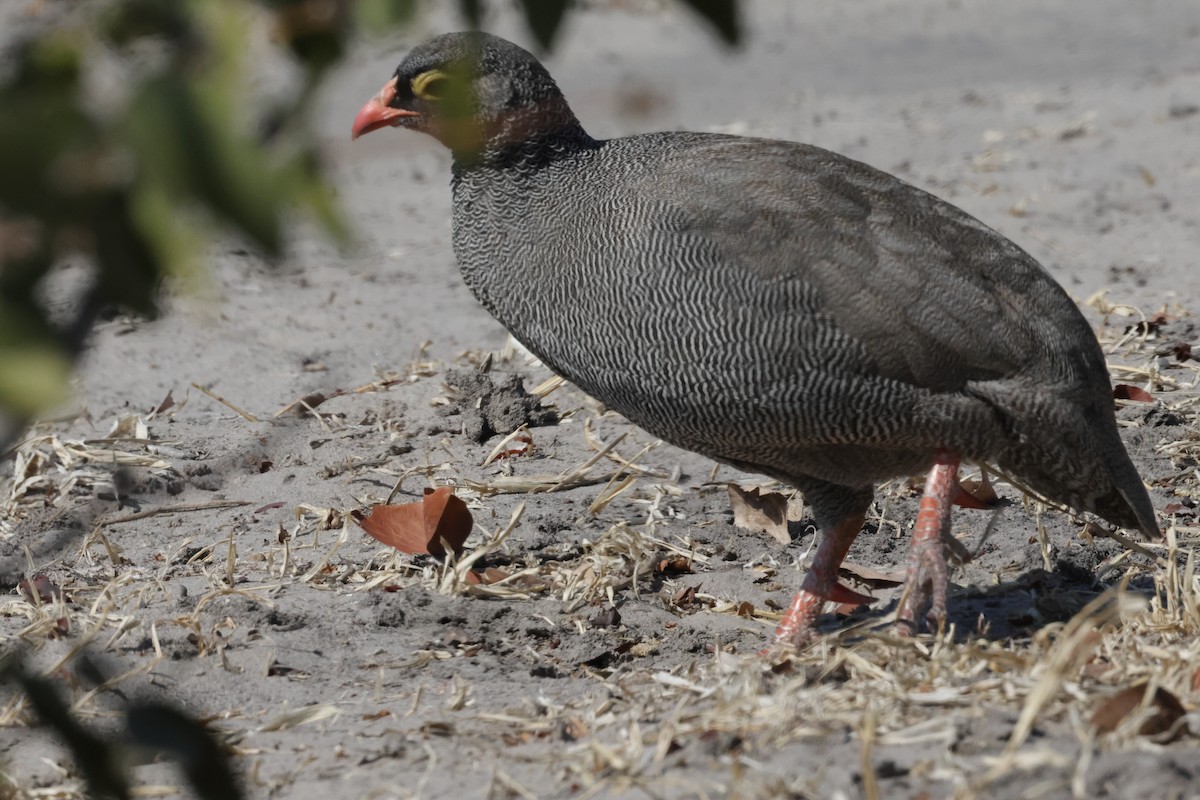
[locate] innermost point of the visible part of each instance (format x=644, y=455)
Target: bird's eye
x=431, y=85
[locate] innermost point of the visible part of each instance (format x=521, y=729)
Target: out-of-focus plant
x=152, y=729
x=133, y=186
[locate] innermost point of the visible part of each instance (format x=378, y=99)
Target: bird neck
x=529, y=137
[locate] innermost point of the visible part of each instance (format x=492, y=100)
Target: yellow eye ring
x=425, y=85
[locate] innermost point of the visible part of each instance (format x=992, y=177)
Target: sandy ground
x=332, y=665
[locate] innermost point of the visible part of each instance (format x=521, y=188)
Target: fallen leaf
x=745, y=609
x=607, y=618
x=521, y=737
x=421, y=527
x=767, y=512
x=675, y=565
x=685, y=597
x=308, y=403
x=869, y=576
x=1123, y=391
x=454, y=636
x=280, y=670
x=763, y=573
x=130, y=426
x=574, y=729
x=41, y=587
x=167, y=403
x=1165, y=711
x=980, y=491
x=490, y=575
x=1147, y=327
x=437, y=727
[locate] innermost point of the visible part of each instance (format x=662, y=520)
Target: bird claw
x=925, y=585
x=798, y=628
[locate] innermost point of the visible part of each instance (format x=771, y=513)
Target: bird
x=771, y=305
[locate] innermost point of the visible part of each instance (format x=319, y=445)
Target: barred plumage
x=769, y=304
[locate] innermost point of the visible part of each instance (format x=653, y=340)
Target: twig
x=246, y=415
x=182, y=508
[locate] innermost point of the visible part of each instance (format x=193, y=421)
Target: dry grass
x=887, y=693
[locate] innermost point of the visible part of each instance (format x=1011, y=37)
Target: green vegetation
x=133, y=185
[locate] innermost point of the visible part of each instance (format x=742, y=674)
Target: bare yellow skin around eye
x=425, y=85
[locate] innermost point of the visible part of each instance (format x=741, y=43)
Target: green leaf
x=131, y=20
x=305, y=184
x=187, y=148
x=379, y=16
x=161, y=728
x=172, y=233
x=544, y=18
x=34, y=376
x=44, y=134
x=722, y=15
x=472, y=12
x=99, y=763
x=129, y=268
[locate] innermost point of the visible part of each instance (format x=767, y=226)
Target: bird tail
x=1069, y=453
x=1089, y=471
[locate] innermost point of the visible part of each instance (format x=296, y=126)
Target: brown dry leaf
x=574, y=729
x=685, y=598
x=754, y=510
x=281, y=670
x=980, y=491
x=166, y=405
x=1165, y=711
x=869, y=576
x=1123, y=391
x=308, y=403
x=40, y=586
x=745, y=609
x=607, y=618
x=513, y=739
x=488, y=575
x=130, y=426
x=421, y=527
x=675, y=565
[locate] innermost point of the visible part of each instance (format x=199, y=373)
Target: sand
x=216, y=568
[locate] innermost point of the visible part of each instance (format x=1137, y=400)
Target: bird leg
x=798, y=625
x=927, y=575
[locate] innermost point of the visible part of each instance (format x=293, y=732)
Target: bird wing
x=936, y=298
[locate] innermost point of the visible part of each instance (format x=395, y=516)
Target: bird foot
x=798, y=628
x=925, y=586
x=927, y=578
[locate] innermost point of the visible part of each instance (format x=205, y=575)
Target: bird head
x=471, y=91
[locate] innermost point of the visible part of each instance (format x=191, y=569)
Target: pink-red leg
x=927, y=575
x=798, y=625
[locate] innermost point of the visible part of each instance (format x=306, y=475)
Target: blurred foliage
x=152, y=729
x=131, y=183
